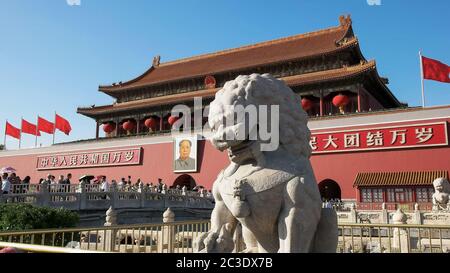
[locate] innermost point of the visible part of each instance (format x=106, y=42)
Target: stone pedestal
x=400, y=238
x=110, y=235
x=353, y=214
x=166, y=237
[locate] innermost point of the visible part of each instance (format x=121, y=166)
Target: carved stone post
x=110, y=235
x=353, y=214
x=114, y=195
x=384, y=214
x=166, y=238
x=44, y=194
x=142, y=190
x=417, y=214
x=82, y=195
x=400, y=240
x=183, y=191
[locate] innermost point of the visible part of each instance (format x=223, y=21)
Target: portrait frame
x=190, y=164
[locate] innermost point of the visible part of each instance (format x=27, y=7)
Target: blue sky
x=54, y=56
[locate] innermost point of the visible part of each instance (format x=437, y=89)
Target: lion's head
x=258, y=90
x=441, y=185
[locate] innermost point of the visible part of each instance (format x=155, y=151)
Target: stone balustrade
x=91, y=197
x=385, y=216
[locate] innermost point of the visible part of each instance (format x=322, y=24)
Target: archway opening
x=185, y=180
x=329, y=189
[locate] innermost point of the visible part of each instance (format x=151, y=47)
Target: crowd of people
x=335, y=204
x=11, y=183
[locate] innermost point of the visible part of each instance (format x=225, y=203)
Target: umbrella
x=7, y=170
x=86, y=177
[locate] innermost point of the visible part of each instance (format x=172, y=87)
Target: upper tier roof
x=291, y=48
x=297, y=80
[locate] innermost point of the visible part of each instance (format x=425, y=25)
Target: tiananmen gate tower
x=371, y=148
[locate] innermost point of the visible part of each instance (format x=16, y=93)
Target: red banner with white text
x=380, y=138
x=120, y=157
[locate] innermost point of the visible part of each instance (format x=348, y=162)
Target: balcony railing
x=179, y=237
x=91, y=196
x=395, y=206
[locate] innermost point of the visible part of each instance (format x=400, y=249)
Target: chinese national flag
x=62, y=124
x=29, y=128
x=12, y=131
x=435, y=70
x=45, y=126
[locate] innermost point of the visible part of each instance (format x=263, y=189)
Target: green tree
x=22, y=217
x=25, y=217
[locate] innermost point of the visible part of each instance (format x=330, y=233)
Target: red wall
x=157, y=163
x=340, y=167
x=344, y=167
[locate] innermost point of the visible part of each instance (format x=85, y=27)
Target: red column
x=138, y=123
x=359, y=100
x=414, y=197
x=97, y=131
x=358, y=195
x=117, y=127
x=321, y=104
x=161, y=122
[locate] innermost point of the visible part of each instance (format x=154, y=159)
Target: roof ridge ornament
x=345, y=20
x=156, y=61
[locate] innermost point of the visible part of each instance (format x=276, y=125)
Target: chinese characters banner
x=420, y=135
x=90, y=159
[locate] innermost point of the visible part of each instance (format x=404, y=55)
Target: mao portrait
x=185, y=154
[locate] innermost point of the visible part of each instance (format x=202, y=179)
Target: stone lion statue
x=441, y=194
x=273, y=195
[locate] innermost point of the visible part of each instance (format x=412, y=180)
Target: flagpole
x=4, y=141
x=37, y=130
x=421, y=78
x=54, y=128
x=20, y=137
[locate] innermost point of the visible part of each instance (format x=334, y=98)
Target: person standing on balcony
x=6, y=184
x=121, y=184
x=67, y=180
x=104, y=184
x=49, y=179
x=61, y=180
x=160, y=185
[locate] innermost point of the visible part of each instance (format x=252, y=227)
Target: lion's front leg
x=223, y=223
x=298, y=219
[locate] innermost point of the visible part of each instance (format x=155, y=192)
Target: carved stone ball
x=168, y=216
x=399, y=217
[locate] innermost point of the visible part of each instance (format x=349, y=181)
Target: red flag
x=62, y=124
x=12, y=131
x=29, y=128
x=45, y=126
x=435, y=70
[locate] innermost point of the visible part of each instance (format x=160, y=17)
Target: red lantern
x=210, y=82
x=151, y=123
x=341, y=101
x=109, y=127
x=128, y=125
x=172, y=120
x=307, y=104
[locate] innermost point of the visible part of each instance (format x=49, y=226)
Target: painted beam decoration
x=380, y=138
x=122, y=157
